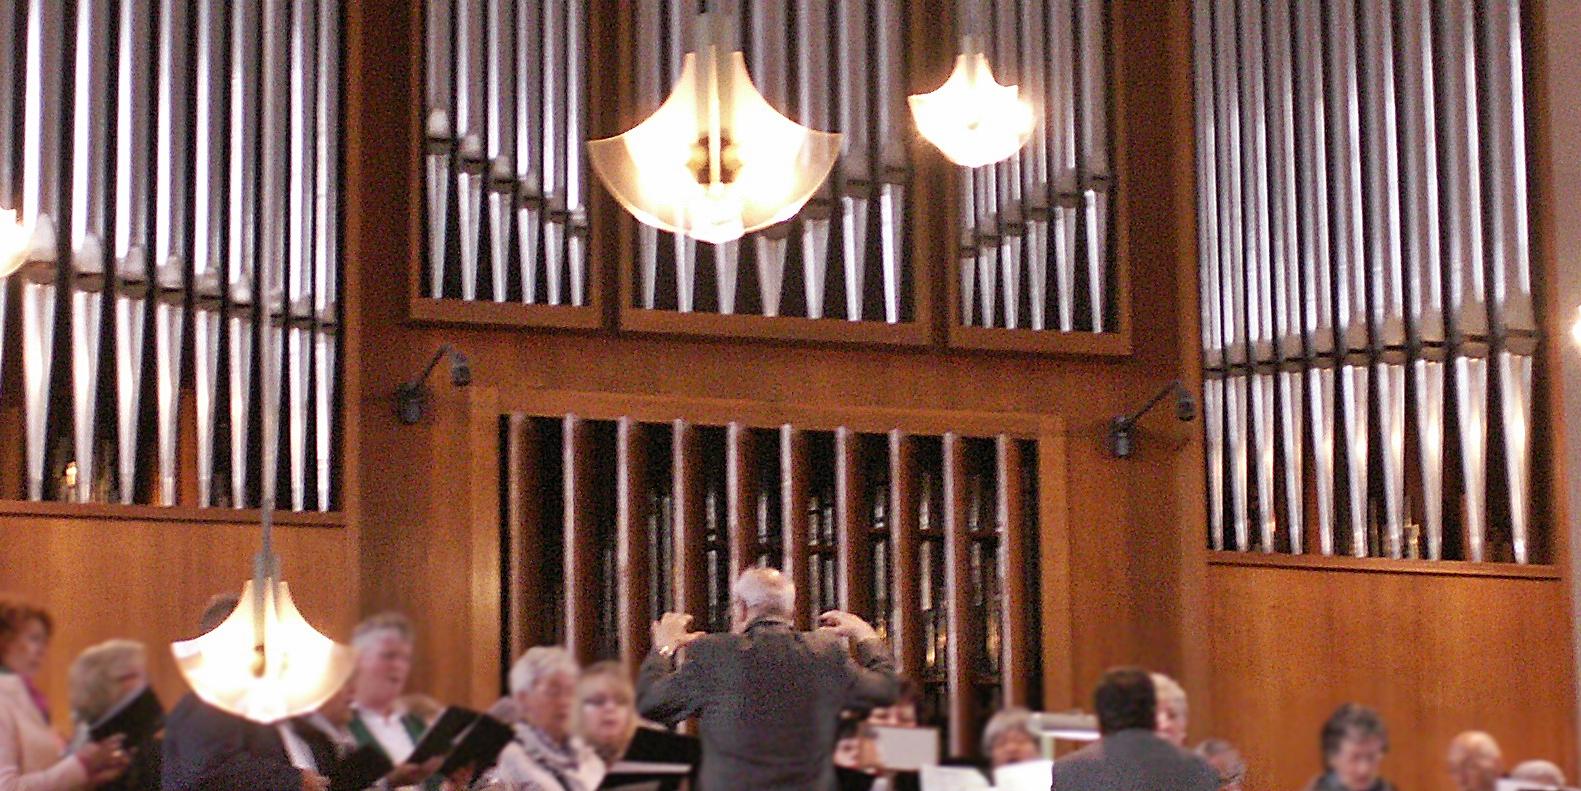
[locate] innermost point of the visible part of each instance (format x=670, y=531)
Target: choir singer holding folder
x=768, y=697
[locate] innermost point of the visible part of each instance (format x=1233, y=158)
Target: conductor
x=768, y=697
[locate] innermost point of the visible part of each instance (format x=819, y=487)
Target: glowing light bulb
x=972, y=119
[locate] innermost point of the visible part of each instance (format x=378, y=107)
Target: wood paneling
x=1434, y=654
x=631, y=543
x=149, y=580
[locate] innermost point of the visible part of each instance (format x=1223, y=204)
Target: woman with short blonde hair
x=606, y=710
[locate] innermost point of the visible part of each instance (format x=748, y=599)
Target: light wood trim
x=770, y=415
x=1072, y=344
x=957, y=584
x=484, y=585
x=691, y=567
x=1444, y=568
x=851, y=526
x=1054, y=563
x=741, y=532
x=631, y=540
x=906, y=632
x=1014, y=646
x=782, y=328
x=581, y=558
x=100, y=512
x=793, y=516
x=505, y=315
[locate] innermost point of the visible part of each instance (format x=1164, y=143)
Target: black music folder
x=360, y=769
x=655, y=761
x=441, y=737
x=478, y=747
x=138, y=717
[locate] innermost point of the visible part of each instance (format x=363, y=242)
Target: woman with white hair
x=1544, y=772
x=547, y=755
x=1171, y=709
x=100, y=678
x=1008, y=738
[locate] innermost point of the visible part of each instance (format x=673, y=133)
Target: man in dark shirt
x=769, y=697
x=208, y=749
x=1130, y=755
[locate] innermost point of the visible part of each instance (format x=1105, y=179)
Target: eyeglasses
x=596, y=701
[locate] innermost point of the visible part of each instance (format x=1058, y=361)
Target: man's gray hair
x=539, y=663
x=91, y=679
x=1539, y=772
x=367, y=633
x=1008, y=720
x=765, y=591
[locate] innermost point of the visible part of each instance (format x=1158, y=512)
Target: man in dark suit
x=769, y=697
x=207, y=749
x=1130, y=756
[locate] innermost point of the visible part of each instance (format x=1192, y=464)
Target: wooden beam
x=793, y=512
x=852, y=525
x=524, y=625
x=906, y=591
x=957, y=590
x=631, y=541
x=581, y=555
x=1014, y=647
x=740, y=513
x=691, y=566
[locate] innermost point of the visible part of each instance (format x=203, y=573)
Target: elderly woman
x=1171, y=709
x=1545, y=772
x=102, y=677
x=1226, y=760
x=1008, y=738
x=606, y=712
x=547, y=755
x=1354, y=742
x=30, y=751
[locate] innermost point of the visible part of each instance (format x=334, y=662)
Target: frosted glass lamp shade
x=715, y=161
x=971, y=118
x=292, y=670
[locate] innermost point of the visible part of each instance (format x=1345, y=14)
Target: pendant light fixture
x=715, y=161
x=16, y=241
x=265, y=662
x=972, y=119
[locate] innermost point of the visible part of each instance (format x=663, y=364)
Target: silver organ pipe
x=1365, y=270
x=201, y=137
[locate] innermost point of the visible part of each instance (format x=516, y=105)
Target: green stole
x=415, y=727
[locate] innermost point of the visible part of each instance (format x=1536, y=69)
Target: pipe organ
x=1046, y=210
x=1368, y=328
x=614, y=519
x=506, y=204
x=179, y=172
x=504, y=164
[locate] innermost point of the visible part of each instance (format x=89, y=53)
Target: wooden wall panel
x=631, y=542
x=148, y=579
x=1435, y=654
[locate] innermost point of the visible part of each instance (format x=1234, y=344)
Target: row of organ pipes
x=173, y=152
x=506, y=93
x=923, y=535
x=1365, y=269
x=1049, y=203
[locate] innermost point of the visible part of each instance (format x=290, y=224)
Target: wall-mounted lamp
x=715, y=161
x=1575, y=329
x=411, y=397
x=1122, y=428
